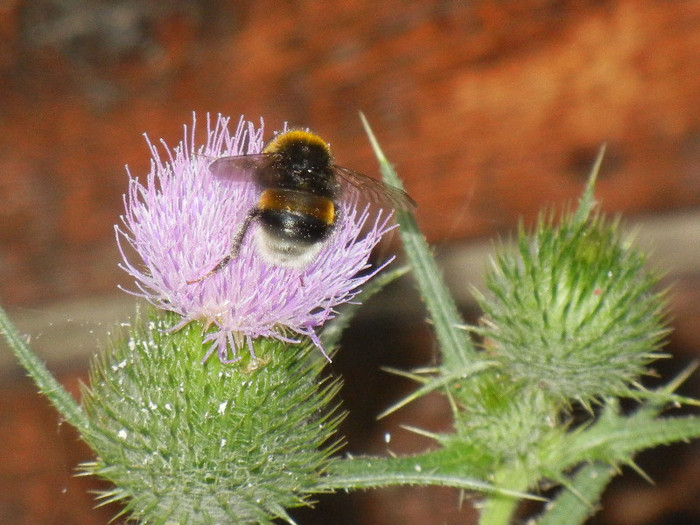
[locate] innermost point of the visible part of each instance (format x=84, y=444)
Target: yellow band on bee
x=299, y=202
x=281, y=141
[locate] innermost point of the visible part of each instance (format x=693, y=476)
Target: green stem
x=436, y=468
x=47, y=384
x=498, y=509
x=574, y=507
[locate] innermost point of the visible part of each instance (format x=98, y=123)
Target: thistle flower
x=181, y=222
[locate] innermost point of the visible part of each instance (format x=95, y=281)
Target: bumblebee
x=299, y=191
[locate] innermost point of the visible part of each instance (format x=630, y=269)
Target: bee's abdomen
x=296, y=215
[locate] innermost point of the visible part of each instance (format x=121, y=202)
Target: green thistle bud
x=186, y=442
x=573, y=311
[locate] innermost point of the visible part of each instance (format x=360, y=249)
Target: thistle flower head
x=181, y=221
x=573, y=310
x=207, y=444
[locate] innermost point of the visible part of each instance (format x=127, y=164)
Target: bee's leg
x=235, y=247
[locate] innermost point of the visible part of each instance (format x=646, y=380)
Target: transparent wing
x=240, y=167
x=373, y=190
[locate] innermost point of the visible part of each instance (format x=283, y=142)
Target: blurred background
x=490, y=110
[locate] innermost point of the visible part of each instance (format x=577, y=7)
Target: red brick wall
x=489, y=109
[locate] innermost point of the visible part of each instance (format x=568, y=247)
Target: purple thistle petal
x=182, y=221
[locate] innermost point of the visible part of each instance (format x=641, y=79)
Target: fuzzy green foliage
x=504, y=419
x=190, y=443
x=573, y=311
x=571, y=316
